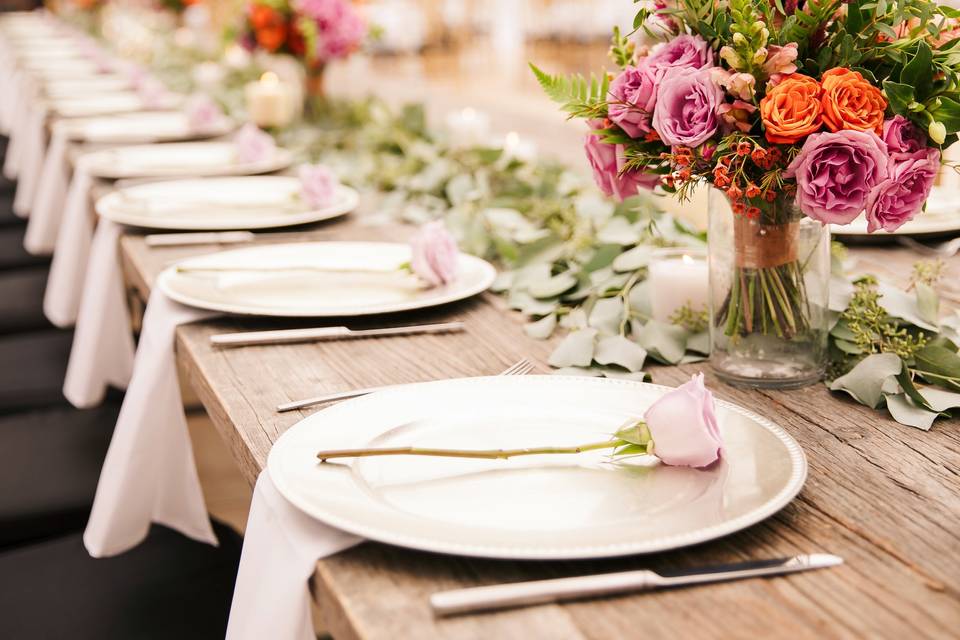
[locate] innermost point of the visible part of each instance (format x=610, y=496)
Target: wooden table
x=883, y=496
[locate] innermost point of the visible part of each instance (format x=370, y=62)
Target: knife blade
x=521, y=594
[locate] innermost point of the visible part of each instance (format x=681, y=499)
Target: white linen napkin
x=281, y=547
x=61, y=300
x=18, y=112
x=31, y=160
x=149, y=474
x=103, y=349
x=44, y=222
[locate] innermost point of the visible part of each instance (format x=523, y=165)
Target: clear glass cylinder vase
x=769, y=292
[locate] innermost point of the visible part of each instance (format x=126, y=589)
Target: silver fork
x=519, y=368
x=946, y=249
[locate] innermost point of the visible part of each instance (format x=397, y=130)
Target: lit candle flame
x=269, y=77
x=687, y=259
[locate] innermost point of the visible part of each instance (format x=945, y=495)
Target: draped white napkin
x=31, y=159
x=149, y=474
x=18, y=111
x=281, y=547
x=61, y=300
x=103, y=349
x=47, y=211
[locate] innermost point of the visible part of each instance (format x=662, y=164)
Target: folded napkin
x=47, y=211
x=18, y=112
x=281, y=547
x=61, y=300
x=149, y=474
x=31, y=160
x=103, y=350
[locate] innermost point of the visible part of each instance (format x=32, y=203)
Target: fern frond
x=574, y=93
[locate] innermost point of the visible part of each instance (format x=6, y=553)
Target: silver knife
x=522, y=594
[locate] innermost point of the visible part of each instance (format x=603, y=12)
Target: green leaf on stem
x=576, y=350
x=939, y=366
x=620, y=351
x=867, y=381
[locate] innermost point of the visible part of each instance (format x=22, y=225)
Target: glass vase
x=769, y=292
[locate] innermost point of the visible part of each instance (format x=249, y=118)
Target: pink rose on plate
x=318, y=185
x=835, y=173
x=607, y=162
x=202, y=112
x=153, y=93
x=633, y=95
x=434, y=255
x=901, y=196
x=683, y=425
x=687, y=103
x=902, y=136
x=253, y=144
x=683, y=52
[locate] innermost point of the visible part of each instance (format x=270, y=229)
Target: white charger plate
x=179, y=159
x=556, y=507
x=317, y=294
x=217, y=204
x=141, y=126
x=942, y=216
x=81, y=106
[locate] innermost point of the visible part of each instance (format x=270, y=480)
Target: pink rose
x=153, y=93
x=683, y=52
x=736, y=115
x=202, y=112
x=902, y=136
x=253, y=145
x=900, y=197
x=607, y=162
x=434, y=255
x=683, y=425
x=318, y=185
x=340, y=29
x=633, y=94
x=686, y=112
x=742, y=86
x=781, y=60
x=835, y=173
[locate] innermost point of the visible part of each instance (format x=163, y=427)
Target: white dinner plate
x=316, y=293
x=178, y=159
x=141, y=126
x=80, y=106
x=557, y=507
x=216, y=204
x=941, y=216
x=68, y=88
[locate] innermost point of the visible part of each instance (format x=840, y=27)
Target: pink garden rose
x=900, y=197
x=686, y=111
x=902, y=136
x=202, y=112
x=318, y=185
x=434, y=255
x=683, y=52
x=607, y=162
x=153, y=93
x=633, y=94
x=835, y=173
x=340, y=29
x=253, y=145
x=683, y=425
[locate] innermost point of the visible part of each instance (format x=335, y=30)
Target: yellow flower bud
x=938, y=132
x=728, y=55
x=739, y=39
x=760, y=56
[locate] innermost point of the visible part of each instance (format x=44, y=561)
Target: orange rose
x=791, y=110
x=269, y=27
x=850, y=102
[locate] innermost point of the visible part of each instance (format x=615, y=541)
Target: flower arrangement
x=314, y=31
x=818, y=109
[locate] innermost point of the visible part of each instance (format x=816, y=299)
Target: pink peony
x=683, y=52
x=434, y=255
x=633, y=94
x=607, y=162
x=318, y=185
x=686, y=111
x=902, y=136
x=683, y=425
x=900, y=197
x=835, y=173
x=202, y=112
x=253, y=145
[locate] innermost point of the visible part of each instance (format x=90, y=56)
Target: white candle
x=468, y=128
x=270, y=102
x=677, y=278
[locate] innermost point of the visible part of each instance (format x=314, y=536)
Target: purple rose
x=902, y=136
x=835, y=173
x=434, y=255
x=684, y=52
x=202, y=112
x=318, y=185
x=633, y=96
x=683, y=425
x=607, y=162
x=253, y=144
x=686, y=112
x=901, y=196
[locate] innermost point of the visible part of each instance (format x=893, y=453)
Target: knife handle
x=519, y=594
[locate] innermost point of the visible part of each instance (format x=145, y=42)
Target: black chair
x=21, y=300
x=50, y=462
x=12, y=253
x=167, y=587
x=32, y=369
x=7, y=217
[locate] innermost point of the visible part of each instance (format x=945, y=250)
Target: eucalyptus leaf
x=606, y=315
x=865, y=382
x=620, y=351
x=928, y=303
x=639, y=299
x=576, y=349
x=664, y=342
x=633, y=259
x=576, y=319
x=523, y=301
x=900, y=304
x=699, y=342
x=619, y=374
x=939, y=365
x=940, y=400
x=553, y=286
x=906, y=412
x=619, y=231
x=542, y=328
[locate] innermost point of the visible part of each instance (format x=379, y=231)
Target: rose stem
x=491, y=454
